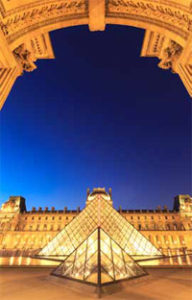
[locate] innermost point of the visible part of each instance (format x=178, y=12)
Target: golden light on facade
x=23, y=234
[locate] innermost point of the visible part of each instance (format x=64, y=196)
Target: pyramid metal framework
x=99, y=260
x=99, y=213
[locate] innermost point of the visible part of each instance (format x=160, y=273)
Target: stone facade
x=25, y=27
x=24, y=232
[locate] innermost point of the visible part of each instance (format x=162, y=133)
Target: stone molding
x=169, y=21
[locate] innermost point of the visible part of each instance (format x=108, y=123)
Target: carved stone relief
x=24, y=58
x=169, y=22
x=171, y=54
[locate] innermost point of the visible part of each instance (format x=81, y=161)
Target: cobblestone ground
x=37, y=284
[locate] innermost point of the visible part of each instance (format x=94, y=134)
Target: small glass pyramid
x=99, y=213
x=99, y=260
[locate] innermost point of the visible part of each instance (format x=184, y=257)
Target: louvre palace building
x=24, y=233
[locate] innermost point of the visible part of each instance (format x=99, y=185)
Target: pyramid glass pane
x=114, y=262
x=69, y=238
x=99, y=213
x=99, y=258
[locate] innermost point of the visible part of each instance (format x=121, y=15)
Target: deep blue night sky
x=97, y=115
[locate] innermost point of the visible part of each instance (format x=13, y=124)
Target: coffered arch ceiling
x=25, y=27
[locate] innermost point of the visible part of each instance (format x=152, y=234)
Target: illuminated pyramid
x=99, y=213
x=99, y=260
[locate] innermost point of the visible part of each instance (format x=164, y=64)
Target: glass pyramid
x=99, y=213
x=99, y=260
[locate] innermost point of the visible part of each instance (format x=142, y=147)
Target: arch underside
x=25, y=27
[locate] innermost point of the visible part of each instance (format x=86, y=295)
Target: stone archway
x=25, y=27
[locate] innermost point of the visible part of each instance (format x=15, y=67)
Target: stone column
x=97, y=15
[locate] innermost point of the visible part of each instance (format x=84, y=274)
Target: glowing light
x=28, y=260
x=87, y=273
x=19, y=260
x=11, y=260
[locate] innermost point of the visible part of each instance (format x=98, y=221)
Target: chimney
x=88, y=191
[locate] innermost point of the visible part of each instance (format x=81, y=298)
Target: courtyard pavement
x=37, y=284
